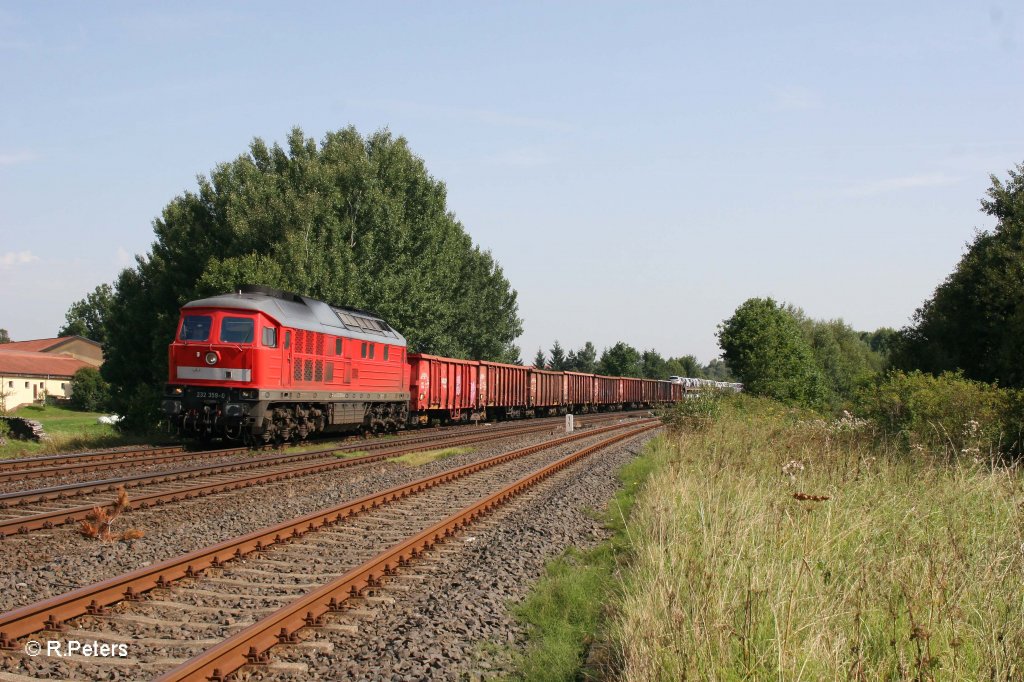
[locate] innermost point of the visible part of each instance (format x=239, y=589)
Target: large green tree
x=88, y=317
x=653, y=366
x=764, y=346
x=717, y=370
x=621, y=360
x=975, y=319
x=354, y=221
x=684, y=366
x=558, y=361
x=586, y=359
x=4, y=336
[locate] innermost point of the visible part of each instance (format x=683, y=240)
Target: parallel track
x=279, y=572
x=85, y=462
x=25, y=466
x=46, y=508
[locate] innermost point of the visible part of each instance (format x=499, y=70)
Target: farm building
x=32, y=370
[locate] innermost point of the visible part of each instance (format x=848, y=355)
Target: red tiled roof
x=37, y=345
x=20, y=362
x=44, y=344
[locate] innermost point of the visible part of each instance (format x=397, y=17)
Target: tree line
x=778, y=351
x=624, y=360
x=971, y=328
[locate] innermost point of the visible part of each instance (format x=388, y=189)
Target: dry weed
x=98, y=524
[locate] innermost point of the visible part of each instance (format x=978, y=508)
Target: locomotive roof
x=302, y=312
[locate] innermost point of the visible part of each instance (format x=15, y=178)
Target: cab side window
x=270, y=337
x=288, y=339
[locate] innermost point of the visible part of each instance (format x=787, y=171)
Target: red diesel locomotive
x=267, y=365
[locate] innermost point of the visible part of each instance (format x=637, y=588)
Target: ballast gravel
x=44, y=564
x=448, y=617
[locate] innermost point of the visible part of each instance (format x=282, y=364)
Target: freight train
x=264, y=365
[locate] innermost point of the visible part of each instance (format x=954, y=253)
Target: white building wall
x=23, y=390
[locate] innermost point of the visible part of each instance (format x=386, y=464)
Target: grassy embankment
x=911, y=569
x=69, y=430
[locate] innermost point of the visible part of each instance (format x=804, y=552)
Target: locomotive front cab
x=214, y=370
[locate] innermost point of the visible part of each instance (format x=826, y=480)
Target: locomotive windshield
x=236, y=330
x=196, y=328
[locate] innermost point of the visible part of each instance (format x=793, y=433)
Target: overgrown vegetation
x=696, y=413
x=764, y=541
x=415, y=459
x=944, y=414
x=779, y=545
x=565, y=612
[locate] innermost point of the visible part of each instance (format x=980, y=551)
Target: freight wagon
x=267, y=365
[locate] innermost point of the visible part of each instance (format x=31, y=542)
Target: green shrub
x=140, y=407
x=89, y=392
x=946, y=414
x=697, y=412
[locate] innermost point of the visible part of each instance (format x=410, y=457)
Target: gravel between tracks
x=123, y=468
x=44, y=564
x=450, y=619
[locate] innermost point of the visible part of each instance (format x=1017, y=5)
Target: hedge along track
x=277, y=572
x=33, y=510
x=85, y=462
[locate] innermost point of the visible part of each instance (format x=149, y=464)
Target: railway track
x=205, y=614
x=40, y=509
x=49, y=466
x=88, y=461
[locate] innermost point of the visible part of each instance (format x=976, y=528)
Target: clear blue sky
x=638, y=170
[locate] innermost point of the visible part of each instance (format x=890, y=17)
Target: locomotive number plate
x=211, y=395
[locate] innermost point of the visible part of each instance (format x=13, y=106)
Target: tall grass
x=911, y=569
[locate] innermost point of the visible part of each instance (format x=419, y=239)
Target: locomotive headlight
x=212, y=357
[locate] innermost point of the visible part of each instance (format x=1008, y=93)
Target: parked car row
x=692, y=384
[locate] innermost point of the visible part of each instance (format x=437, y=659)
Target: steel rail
x=41, y=467
x=47, y=520
x=121, y=463
x=50, y=614
x=28, y=463
x=69, y=490
x=251, y=645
